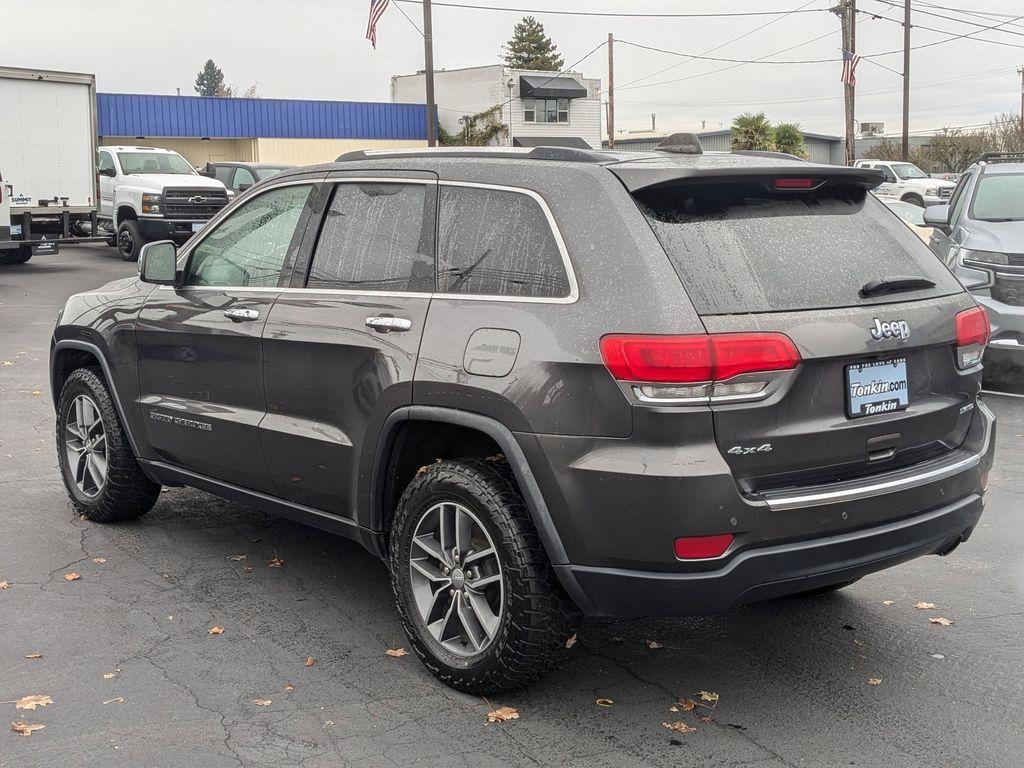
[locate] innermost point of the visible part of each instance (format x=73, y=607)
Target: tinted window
x=223, y=173
x=106, y=161
x=738, y=248
x=249, y=247
x=1000, y=197
x=377, y=237
x=498, y=243
x=959, y=197
x=242, y=176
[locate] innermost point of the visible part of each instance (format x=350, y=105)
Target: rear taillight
x=699, y=368
x=702, y=547
x=972, y=332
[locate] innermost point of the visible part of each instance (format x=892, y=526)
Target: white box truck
x=48, y=183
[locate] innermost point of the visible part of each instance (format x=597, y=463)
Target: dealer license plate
x=879, y=387
x=196, y=226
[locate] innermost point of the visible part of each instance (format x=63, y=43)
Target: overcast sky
x=315, y=49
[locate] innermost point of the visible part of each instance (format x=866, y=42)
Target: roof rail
x=767, y=153
x=563, y=154
x=1001, y=157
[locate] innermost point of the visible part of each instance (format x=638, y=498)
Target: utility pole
x=906, y=80
x=611, y=92
x=1021, y=73
x=846, y=10
x=428, y=65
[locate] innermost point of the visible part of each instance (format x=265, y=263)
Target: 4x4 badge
x=892, y=329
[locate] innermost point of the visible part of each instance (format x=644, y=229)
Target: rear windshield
x=1000, y=197
x=740, y=248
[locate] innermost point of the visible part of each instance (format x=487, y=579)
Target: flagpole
x=428, y=71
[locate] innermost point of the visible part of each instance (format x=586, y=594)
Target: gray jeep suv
x=546, y=383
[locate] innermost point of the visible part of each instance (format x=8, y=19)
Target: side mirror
x=937, y=216
x=108, y=172
x=158, y=263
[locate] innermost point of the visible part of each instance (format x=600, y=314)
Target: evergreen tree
x=210, y=80
x=530, y=48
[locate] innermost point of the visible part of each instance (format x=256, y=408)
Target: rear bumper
x=767, y=572
x=1007, y=325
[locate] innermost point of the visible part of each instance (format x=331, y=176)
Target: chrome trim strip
x=870, y=489
x=1006, y=343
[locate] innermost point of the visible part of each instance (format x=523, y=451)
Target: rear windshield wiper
x=882, y=285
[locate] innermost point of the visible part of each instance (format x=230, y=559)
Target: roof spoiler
x=640, y=177
x=681, y=144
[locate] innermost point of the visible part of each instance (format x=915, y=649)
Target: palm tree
x=751, y=131
x=788, y=138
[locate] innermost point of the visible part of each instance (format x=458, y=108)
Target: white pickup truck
x=149, y=194
x=907, y=182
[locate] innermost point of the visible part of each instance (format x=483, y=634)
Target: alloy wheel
x=125, y=243
x=456, y=579
x=85, y=443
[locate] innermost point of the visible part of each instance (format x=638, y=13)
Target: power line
x=735, y=61
x=917, y=9
x=949, y=39
x=613, y=14
x=992, y=15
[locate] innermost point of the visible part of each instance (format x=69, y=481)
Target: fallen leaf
x=328, y=722
x=395, y=652
x=570, y=642
x=604, y=702
x=5, y=363
x=654, y=645
x=679, y=726
x=4, y=585
x=924, y=606
x=250, y=568
x=26, y=729
x=99, y=560
x=239, y=556
x=708, y=696
x=33, y=701
x=262, y=702
x=288, y=687
x=616, y=639
x=686, y=705
x=941, y=621
x=33, y=655
x=277, y=562
x=112, y=675
x=502, y=714
x=938, y=656
x=216, y=630
x=72, y=576
x=36, y=393
x=861, y=643
x=706, y=719
x=888, y=602
x=118, y=700
x=874, y=681
x=310, y=661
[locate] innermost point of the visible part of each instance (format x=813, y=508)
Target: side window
x=497, y=243
x=890, y=177
x=223, y=174
x=249, y=247
x=958, y=199
x=243, y=176
x=106, y=162
x=377, y=237
x=529, y=110
x=563, y=110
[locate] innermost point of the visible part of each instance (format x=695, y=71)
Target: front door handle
x=387, y=324
x=241, y=315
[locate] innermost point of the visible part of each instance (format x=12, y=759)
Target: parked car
x=980, y=236
x=912, y=216
x=546, y=382
x=149, y=194
x=907, y=182
x=238, y=177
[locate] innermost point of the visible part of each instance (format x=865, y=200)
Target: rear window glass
x=1000, y=197
x=740, y=248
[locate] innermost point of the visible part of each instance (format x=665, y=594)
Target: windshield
x=154, y=162
x=266, y=173
x=740, y=248
x=908, y=171
x=999, y=198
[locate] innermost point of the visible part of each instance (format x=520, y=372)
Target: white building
x=539, y=107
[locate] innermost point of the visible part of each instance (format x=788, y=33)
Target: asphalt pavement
x=136, y=679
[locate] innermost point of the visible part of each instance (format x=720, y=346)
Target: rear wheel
x=19, y=256
x=914, y=200
x=476, y=593
x=129, y=240
x=100, y=472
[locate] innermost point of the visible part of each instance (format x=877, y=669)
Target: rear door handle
x=241, y=315
x=387, y=324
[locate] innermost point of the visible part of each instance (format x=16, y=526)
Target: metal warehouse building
x=821, y=147
x=205, y=129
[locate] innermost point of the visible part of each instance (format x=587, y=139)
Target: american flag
x=850, y=62
x=377, y=8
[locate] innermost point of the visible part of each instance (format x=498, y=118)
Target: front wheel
x=100, y=472
x=914, y=200
x=477, y=596
x=129, y=240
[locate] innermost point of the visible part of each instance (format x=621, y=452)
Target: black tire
x=129, y=240
x=536, y=618
x=126, y=492
x=19, y=256
x=914, y=200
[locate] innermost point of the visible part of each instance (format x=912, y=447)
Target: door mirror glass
x=158, y=263
x=108, y=172
x=937, y=216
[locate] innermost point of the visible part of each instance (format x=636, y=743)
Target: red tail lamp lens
x=796, y=183
x=699, y=358
x=698, y=547
x=972, y=327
